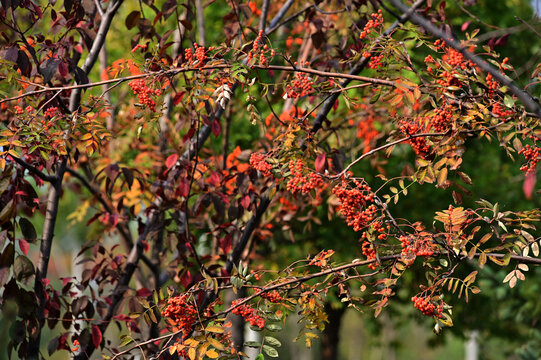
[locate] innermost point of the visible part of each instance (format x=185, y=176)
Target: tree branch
x=94, y=52
x=524, y=96
x=33, y=169
x=327, y=106
x=42, y=266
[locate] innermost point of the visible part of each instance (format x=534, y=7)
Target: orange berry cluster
x=375, y=21
x=144, y=93
x=321, y=258
x=367, y=132
x=375, y=62
x=300, y=86
x=181, y=313
x=427, y=307
x=531, y=154
x=259, y=162
x=429, y=59
x=249, y=314
x=51, y=112
x=370, y=254
x=418, y=144
x=300, y=181
x=198, y=58
x=500, y=111
x=273, y=296
x=492, y=85
x=378, y=228
x=442, y=120
x=260, y=52
x=253, y=7
x=418, y=247
x=353, y=200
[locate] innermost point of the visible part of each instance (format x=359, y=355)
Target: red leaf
x=63, y=69
x=184, y=187
x=321, y=163
x=178, y=97
x=216, y=128
x=225, y=243
x=23, y=244
x=171, y=160
x=144, y=292
x=335, y=105
x=66, y=280
x=245, y=202
x=186, y=279
x=529, y=185
x=214, y=179
x=96, y=336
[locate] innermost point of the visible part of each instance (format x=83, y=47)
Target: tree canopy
x=173, y=171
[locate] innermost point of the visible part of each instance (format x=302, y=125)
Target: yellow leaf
x=191, y=353
x=212, y=354
x=215, y=329
x=218, y=345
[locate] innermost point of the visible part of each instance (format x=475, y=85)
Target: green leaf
x=274, y=327
x=270, y=351
x=272, y=341
x=253, y=344
x=508, y=101
x=260, y=357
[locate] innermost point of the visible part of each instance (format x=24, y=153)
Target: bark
x=330, y=339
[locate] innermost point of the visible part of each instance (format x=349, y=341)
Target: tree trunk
x=331, y=334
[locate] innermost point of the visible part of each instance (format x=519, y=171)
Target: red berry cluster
x=260, y=52
x=500, y=111
x=180, y=313
x=456, y=59
x=259, y=162
x=18, y=110
x=249, y=314
x=300, y=86
x=51, y=112
x=427, y=307
x=273, y=296
x=353, y=200
x=418, y=144
x=375, y=21
x=370, y=253
x=492, y=85
x=366, y=129
x=442, y=120
x=253, y=7
x=321, y=258
x=198, y=58
x=144, y=93
x=429, y=59
x=378, y=229
x=531, y=154
x=422, y=246
x=302, y=180
x=375, y=62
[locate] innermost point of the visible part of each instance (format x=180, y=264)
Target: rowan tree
x=229, y=129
